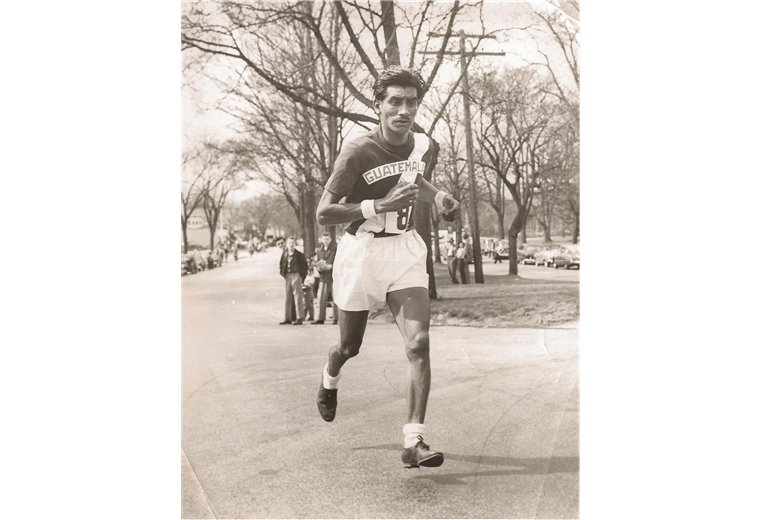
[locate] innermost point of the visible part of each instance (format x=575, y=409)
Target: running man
x=381, y=257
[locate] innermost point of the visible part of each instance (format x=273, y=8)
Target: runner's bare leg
x=352, y=326
x=411, y=310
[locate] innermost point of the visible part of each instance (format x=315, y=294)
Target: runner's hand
x=401, y=196
x=451, y=208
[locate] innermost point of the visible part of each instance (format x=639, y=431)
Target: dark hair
x=400, y=77
x=325, y=233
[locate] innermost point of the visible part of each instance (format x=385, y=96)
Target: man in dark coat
x=293, y=268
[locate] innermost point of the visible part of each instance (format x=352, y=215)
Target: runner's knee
x=350, y=347
x=418, y=346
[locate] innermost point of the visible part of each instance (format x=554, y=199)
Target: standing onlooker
x=281, y=244
x=497, y=255
x=308, y=294
x=462, y=262
x=451, y=260
x=314, y=271
x=293, y=268
x=326, y=258
x=468, y=256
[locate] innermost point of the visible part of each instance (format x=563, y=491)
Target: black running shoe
x=421, y=455
x=327, y=402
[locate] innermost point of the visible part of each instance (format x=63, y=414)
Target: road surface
x=503, y=408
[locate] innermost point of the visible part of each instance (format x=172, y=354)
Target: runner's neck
x=389, y=144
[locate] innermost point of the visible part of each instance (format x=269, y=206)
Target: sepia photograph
x=380, y=259
x=378, y=313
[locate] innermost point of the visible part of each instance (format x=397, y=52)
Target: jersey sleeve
x=346, y=170
x=433, y=160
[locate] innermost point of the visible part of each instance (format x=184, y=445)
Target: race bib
x=398, y=221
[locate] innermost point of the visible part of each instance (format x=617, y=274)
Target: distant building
x=198, y=231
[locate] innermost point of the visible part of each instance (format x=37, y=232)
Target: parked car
x=188, y=265
x=526, y=253
x=200, y=260
x=193, y=263
x=568, y=257
x=213, y=259
x=546, y=257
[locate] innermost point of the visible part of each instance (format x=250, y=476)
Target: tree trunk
x=502, y=229
x=577, y=228
x=184, y=233
x=389, y=31
x=512, y=252
x=422, y=223
x=436, y=240
x=518, y=224
x=309, y=222
x=212, y=233
x=547, y=229
x=333, y=133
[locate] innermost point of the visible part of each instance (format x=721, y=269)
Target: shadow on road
x=518, y=466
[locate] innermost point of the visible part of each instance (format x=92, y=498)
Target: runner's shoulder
x=356, y=146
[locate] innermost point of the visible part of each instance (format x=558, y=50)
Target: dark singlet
x=368, y=167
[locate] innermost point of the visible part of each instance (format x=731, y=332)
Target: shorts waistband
x=382, y=234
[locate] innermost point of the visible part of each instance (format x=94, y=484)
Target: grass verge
x=503, y=301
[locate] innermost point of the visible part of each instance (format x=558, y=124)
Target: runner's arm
x=331, y=211
x=428, y=193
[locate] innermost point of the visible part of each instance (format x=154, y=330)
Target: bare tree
x=517, y=124
x=252, y=34
x=567, y=153
x=218, y=181
x=549, y=193
x=339, y=57
x=195, y=163
x=260, y=210
x=495, y=194
x=451, y=173
x=564, y=32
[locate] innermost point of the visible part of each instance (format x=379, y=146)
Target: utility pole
x=474, y=224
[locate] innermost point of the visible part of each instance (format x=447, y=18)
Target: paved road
x=503, y=408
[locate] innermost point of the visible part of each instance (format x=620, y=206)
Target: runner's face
x=398, y=110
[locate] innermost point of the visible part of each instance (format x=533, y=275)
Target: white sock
x=328, y=381
x=411, y=431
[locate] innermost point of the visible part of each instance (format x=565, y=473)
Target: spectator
x=451, y=260
x=280, y=242
x=308, y=294
x=293, y=268
x=315, y=272
x=326, y=258
x=462, y=262
x=468, y=257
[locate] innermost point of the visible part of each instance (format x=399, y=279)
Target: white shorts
x=367, y=268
